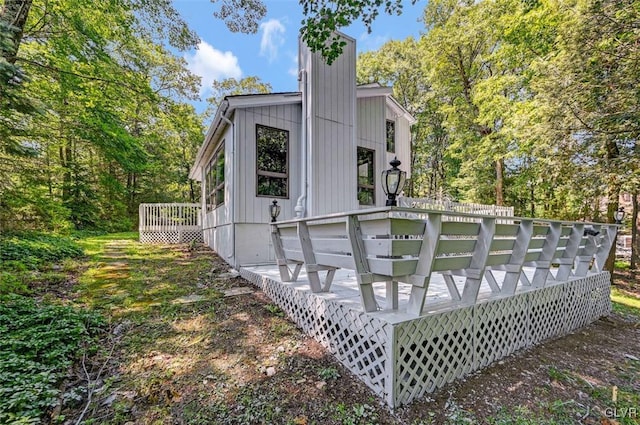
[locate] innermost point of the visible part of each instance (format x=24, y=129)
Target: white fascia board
x=400, y=110
x=368, y=91
x=216, y=125
x=257, y=100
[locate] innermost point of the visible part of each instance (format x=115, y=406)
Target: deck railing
x=396, y=244
x=170, y=223
x=461, y=207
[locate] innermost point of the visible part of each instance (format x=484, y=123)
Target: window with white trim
x=272, y=162
x=214, y=179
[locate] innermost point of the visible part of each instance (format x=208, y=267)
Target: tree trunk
x=635, y=244
x=500, y=182
x=613, y=197
x=14, y=13
x=612, y=207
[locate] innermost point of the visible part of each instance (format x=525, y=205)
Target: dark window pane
x=272, y=161
x=272, y=149
x=214, y=181
x=366, y=176
x=365, y=196
x=272, y=186
x=391, y=136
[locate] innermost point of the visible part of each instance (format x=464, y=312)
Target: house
x=316, y=151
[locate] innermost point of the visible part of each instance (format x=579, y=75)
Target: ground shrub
x=34, y=249
x=39, y=344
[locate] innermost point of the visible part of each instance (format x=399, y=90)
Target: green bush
x=33, y=250
x=39, y=344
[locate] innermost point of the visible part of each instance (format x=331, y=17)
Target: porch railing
x=461, y=207
x=396, y=244
x=170, y=223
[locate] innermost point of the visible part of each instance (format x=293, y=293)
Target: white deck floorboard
x=344, y=290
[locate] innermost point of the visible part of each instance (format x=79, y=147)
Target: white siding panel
x=250, y=207
x=332, y=97
x=403, y=140
x=253, y=244
x=219, y=239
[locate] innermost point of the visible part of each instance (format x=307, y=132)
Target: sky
x=271, y=54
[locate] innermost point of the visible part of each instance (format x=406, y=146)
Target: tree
x=232, y=87
x=111, y=123
x=397, y=64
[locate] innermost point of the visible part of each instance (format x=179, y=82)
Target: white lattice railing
x=461, y=207
x=170, y=223
x=395, y=244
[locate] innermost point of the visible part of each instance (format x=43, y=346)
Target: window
x=366, y=177
x=214, y=183
x=391, y=136
x=272, y=162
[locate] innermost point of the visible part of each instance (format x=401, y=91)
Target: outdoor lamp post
x=392, y=182
x=274, y=210
x=619, y=215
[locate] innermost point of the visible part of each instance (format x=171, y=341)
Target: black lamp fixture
x=392, y=182
x=274, y=210
x=619, y=215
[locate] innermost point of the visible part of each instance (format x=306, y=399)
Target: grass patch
x=127, y=278
x=625, y=304
x=622, y=265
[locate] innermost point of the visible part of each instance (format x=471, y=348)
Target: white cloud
x=212, y=64
x=293, y=71
x=272, y=38
x=368, y=42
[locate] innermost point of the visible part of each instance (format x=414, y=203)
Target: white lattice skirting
x=402, y=361
x=171, y=236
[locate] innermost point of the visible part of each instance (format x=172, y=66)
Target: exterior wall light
x=393, y=181
x=274, y=210
x=619, y=215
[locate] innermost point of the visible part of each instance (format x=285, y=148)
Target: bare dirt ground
x=195, y=356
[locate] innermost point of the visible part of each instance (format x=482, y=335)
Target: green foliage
x=275, y=310
x=38, y=346
x=32, y=250
x=359, y=414
x=329, y=373
x=527, y=104
x=112, y=131
x=323, y=18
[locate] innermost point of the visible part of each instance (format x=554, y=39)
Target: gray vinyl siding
x=403, y=141
x=372, y=135
x=250, y=207
x=331, y=121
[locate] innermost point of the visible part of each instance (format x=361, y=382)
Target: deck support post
x=281, y=261
x=363, y=273
x=391, y=294
x=310, y=262
x=570, y=252
x=478, y=261
x=543, y=264
x=585, y=255
x=605, y=246
x=426, y=258
x=514, y=267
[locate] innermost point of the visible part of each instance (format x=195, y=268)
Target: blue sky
x=271, y=54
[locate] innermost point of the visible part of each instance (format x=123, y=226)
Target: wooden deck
x=170, y=223
x=410, y=300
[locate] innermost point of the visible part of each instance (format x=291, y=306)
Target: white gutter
x=300, y=208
